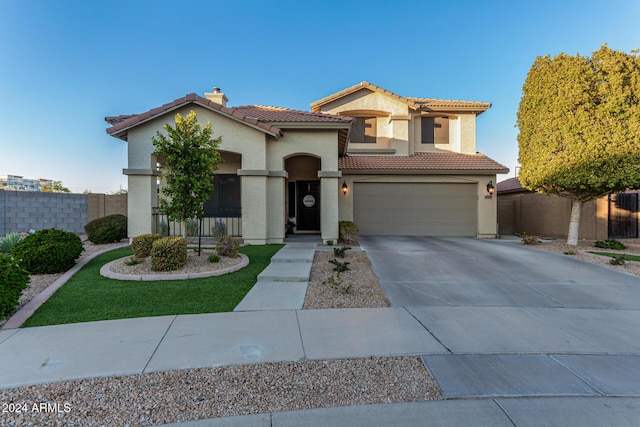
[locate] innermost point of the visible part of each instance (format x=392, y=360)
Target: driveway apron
x=516, y=321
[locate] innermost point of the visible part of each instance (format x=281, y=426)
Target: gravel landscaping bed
x=195, y=264
x=359, y=287
x=164, y=397
x=585, y=246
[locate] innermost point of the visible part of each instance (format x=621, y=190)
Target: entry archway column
x=329, y=194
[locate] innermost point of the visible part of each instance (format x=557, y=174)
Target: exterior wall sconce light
x=345, y=187
x=490, y=188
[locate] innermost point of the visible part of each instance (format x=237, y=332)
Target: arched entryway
x=303, y=193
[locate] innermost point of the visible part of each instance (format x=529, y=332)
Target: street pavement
x=512, y=335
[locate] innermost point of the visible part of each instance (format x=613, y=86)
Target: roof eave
x=424, y=171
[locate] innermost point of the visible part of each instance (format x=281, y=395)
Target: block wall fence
x=21, y=211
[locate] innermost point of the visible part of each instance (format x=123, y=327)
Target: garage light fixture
x=345, y=187
x=490, y=188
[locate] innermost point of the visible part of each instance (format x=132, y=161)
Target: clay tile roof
x=121, y=124
x=441, y=161
x=259, y=116
x=283, y=115
x=415, y=103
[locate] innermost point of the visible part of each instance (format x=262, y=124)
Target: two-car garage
x=416, y=209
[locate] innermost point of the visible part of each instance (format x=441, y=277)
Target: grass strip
x=88, y=296
x=627, y=257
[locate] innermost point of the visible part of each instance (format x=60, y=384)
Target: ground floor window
x=225, y=198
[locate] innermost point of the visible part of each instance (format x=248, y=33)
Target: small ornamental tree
x=579, y=122
x=188, y=157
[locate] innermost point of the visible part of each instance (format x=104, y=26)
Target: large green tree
x=579, y=122
x=188, y=156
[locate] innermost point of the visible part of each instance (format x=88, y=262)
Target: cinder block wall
x=25, y=210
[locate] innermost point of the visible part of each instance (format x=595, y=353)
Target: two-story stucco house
x=394, y=165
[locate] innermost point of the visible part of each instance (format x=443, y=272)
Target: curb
x=105, y=271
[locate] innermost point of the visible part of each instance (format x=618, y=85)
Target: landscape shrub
x=9, y=241
x=141, y=245
x=48, y=251
x=219, y=229
x=530, y=240
x=339, y=252
x=108, y=229
x=618, y=260
x=610, y=244
x=168, y=253
x=348, y=232
x=13, y=280
x=214, y=258
x=228, y=246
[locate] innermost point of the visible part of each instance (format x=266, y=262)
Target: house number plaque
x=309, y=200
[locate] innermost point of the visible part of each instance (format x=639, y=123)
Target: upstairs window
x=364, y=130
x=435, y=130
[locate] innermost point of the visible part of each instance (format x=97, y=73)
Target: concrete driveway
x=516, y=321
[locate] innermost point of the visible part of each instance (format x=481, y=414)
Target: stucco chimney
x=217, y=97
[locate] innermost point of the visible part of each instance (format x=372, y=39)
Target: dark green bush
x=348, y=232
x=108, y=229
x=610, y=244
x=214, y=258
x=228, y=246
x=618, y=260
x=168, y=253
x=141, y=245
x=48, y=251
x=13, y=280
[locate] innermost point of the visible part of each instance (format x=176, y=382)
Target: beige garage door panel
x=415, y=209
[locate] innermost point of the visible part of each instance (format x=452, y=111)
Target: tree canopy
x=54, y=187
x=579, y=122
x=189, y=156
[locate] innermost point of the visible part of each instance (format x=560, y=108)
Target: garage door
x=415, y=209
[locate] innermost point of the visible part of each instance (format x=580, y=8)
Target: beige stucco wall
x=487, y=206
x=400, y=129
x=255, y=156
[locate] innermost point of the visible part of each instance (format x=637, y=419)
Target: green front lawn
x=88, y=296
x=613, y=255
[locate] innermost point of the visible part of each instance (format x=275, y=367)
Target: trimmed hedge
x=48, y=251
x=228, y=246
x=142, y=244
x=108, y=229
x=13, y=280
x=168, y=253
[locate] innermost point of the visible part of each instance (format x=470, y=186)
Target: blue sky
x=65, y=65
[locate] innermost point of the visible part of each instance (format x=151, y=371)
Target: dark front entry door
x=308, y=206
x=623, y=217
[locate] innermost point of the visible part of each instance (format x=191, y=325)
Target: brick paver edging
x=106, y=272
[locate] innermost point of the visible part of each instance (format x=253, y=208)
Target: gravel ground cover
x=585, y=246
x=195, y=264
x=359, y=286
x=158, y=398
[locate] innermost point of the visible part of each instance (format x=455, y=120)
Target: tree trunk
x=574, y=222
x=185, y=230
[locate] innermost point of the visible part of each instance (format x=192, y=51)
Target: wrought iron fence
x=225, y=222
